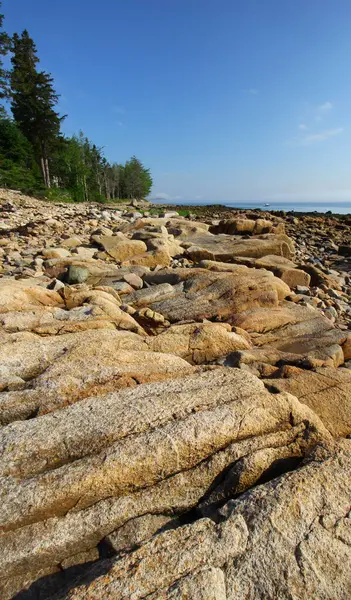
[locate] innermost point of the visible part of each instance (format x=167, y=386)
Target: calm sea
x=339, y=207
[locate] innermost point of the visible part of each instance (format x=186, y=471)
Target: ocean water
x=339, y=207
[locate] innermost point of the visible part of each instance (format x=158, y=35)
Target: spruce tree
x=18, y=169
x=4, y=76
x=33, y=101
x=137, y=179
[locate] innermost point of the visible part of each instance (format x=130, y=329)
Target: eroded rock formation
x=174, y=402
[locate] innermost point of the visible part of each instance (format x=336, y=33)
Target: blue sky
x=226, y=100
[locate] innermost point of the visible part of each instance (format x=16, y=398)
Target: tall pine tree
x=137, y=179
x=33, y=101
x=4, y=48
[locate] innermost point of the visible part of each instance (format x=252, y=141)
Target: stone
x=243, y=226
x=84, y=252
x=128, y=465
x=71, y=242
x=120, y=247
x=138, y=530
x=56, y=253
x=77, y=274
x=256, y=556
x=134, y=280
x=174, y=394
x=203, y=294
x=158, y=255
x=147, y=296
x=58, y=375
x=22, y=295
x=199, y=342
x=326, y=391
x=224, y=248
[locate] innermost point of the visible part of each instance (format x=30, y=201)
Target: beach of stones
x=175, y=398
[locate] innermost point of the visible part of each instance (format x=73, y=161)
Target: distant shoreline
x=199, y=208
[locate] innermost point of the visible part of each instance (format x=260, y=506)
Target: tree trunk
x=47, y=171
x=43, y=169
x=85, y=189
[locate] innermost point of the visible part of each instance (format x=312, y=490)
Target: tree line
x=35, y=156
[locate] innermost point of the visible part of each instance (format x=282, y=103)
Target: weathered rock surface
x=43, y=374
x=326, y=391
x=300, y=521
x=223, y=248
x=169, y=393
x=74, y=476
x=199, y=342
x=203, y=294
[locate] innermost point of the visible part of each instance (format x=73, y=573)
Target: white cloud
x=309, y=132
x=322, y=110
x=324, y=107
x=321, y=136
x=119, y=110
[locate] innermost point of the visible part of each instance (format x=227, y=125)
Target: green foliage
x=33, y=99
x=137, y=179
x=36, y=157
x=17, y=164
x=4, y=76
x=56, y=194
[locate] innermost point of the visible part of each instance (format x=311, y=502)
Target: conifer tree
x=4, y=76
x=33, y=101
x=137, y=179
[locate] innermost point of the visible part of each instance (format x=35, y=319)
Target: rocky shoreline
x=175, y=403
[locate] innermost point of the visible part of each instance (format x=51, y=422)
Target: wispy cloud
x=322, y=110
x=325, y=107
x=119, y=110
x=252, y=91
x=309, y=132
x=119, y=123
x=318, y=137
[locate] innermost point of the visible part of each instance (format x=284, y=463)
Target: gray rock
x=77, y=274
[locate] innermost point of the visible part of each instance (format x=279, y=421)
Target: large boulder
x=199, y=342
x=297, y=330
x=285, y=269
x=282, y=267
x=326, y=391
x=287, y=538
x=22, y=295
x=202, y=294
x=225, y=248
x=97, y=269
x=240, y=226
x=120, y=247
x=43, y=374
x=72, y=477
